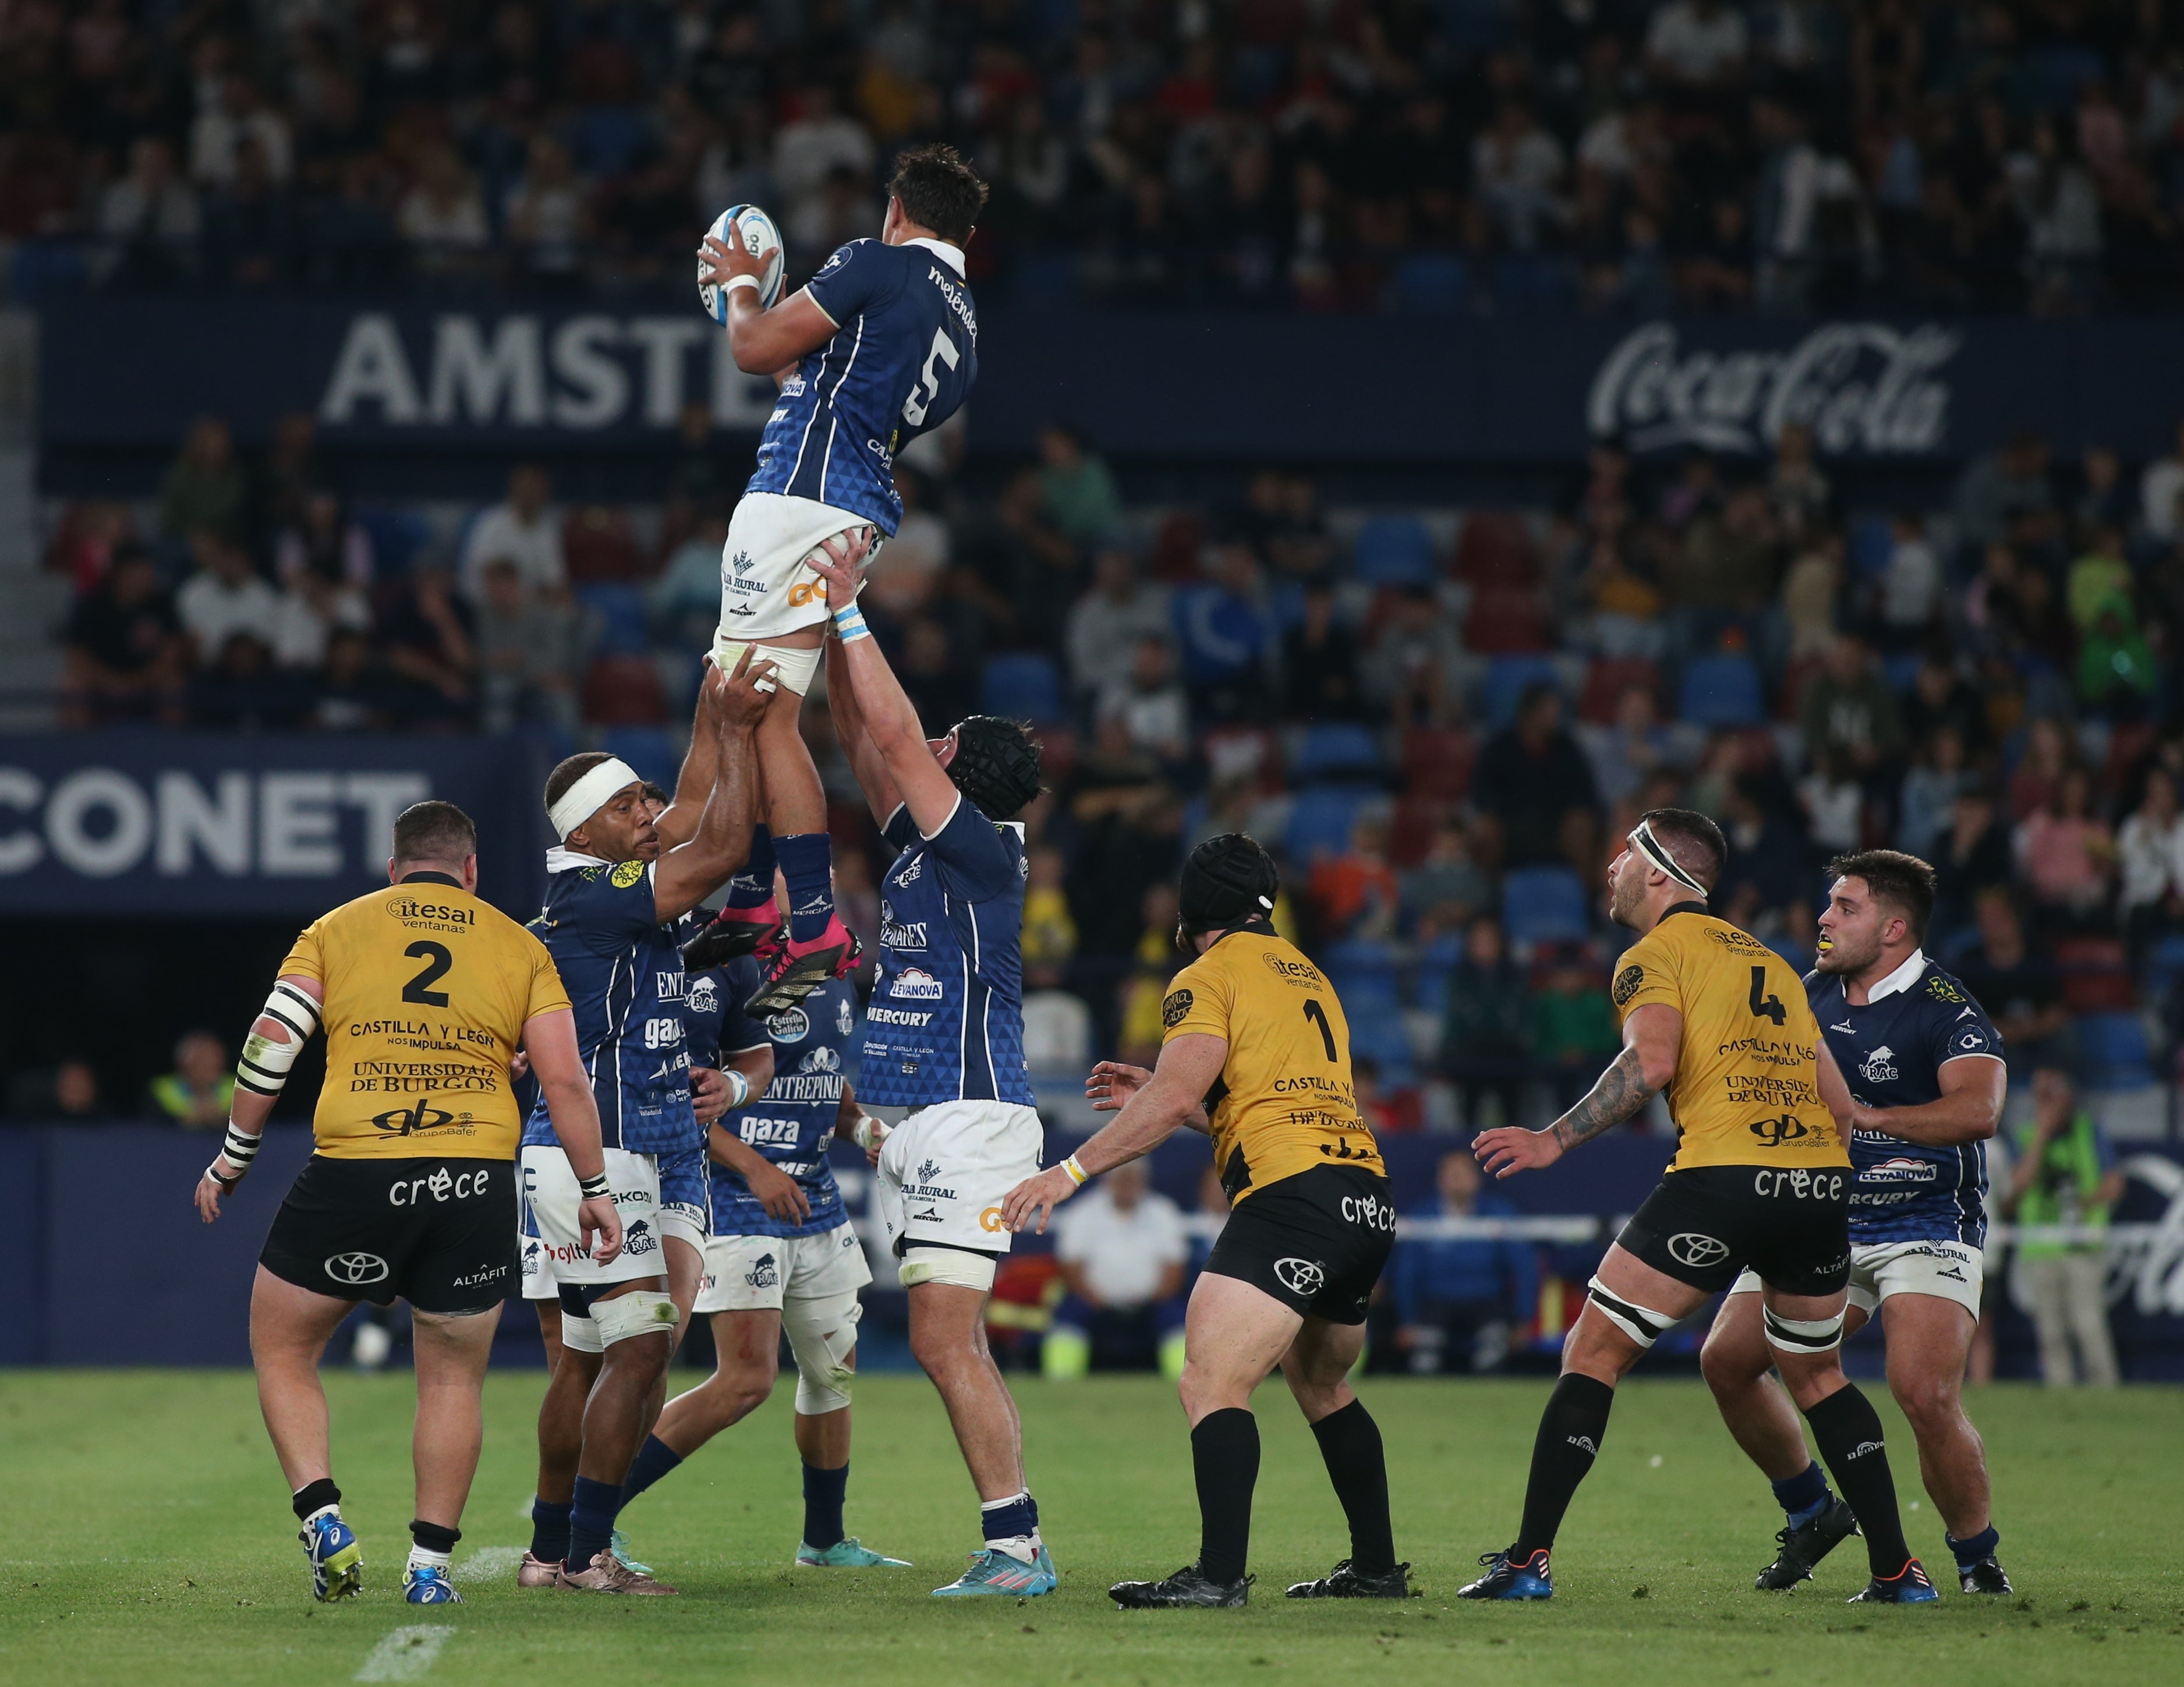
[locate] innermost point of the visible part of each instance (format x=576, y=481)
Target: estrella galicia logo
x=1877, y=1067
x=354, y=1271
x=1302, y=1276
x=409, y=1121
x=788, y=1026
x=639, y=1238
x=1689, y=1248
x=762, y=1273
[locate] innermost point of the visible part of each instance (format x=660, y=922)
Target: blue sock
x=753, y=885
x=807, y=860
x=1975, y=1549
x=1801, y=1495
x=1007, y=1519
x=824, y=1493
x=654, y=1460
x=591, y=1522
x=549, y=1532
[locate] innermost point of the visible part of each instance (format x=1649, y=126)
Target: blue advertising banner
x=191, y=824
x=131, y=372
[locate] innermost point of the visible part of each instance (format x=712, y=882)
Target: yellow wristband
x=1078, y=1174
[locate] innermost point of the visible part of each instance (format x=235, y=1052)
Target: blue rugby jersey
x=1891, y=1052
x=792, y=1123
x=945, y=1020
x=624, y=978
x=904, y=354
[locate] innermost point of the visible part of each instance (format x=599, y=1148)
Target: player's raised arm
x=762, y=340
x=691, y=872
x=278, y=1036
x=1651, y=1037
x=890, y=720
x=549, y=1040
x=678, y=823
x=848, y=717
x=1188, y=1068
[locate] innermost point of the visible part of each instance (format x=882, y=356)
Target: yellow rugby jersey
x=1746, y=1090
x=1284, y=1102
x=426, y=991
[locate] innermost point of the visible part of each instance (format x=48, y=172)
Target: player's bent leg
x=746, y=1345
x=289, y=1328
x=1929, y=1342
x=1317, y=1368
x=633, y=1320
x=451, y=1352
x=823, y=1334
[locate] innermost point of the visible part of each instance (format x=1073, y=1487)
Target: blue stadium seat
x=618, y=613
x=1431, y=284
x=1375, y=1013
x=1439, y=958
x=1872, y=544
x=1022, y=686
x=1722, y=690
x=1903, y=672
x=1396, y=550
x=397, y=536
x=1534, y=283
x=1336, y=751
x=1507, y=678
x=652, y=751
x=2112, y=1051
x=1320, y=819
x=1544, y=904
x=1360, y=957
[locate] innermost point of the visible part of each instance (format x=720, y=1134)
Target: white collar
x=560, y=859
x=1902, y=978
x=952, y=256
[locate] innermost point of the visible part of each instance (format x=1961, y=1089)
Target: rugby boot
x=537, y=1573
x=607, y=1575
x=1987, y=1576
x=1346, y=1581
x=848, y=1553
x=1803, y=1545
x=428, y=1584
x=797, y=969
x=618, y=1544
x=1187, y=1589
x=335, y=1559
x=733, y=932
x=999, y=1573
x=1909, y=1585
x=1512, y=1578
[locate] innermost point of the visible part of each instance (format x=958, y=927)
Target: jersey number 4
x=1764, y=1002
x=920, y=401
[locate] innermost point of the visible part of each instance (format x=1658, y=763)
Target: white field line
x=488, y=1563
x=406, y=1654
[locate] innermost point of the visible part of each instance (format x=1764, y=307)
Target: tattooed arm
x=1651, y=1037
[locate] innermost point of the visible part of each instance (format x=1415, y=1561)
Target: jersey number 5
x=920, y=401
x=437, y=961
x=1764, y=1002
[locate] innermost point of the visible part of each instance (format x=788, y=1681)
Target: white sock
x=1023, y=1548
x=419, y=1558
x=323, y=1511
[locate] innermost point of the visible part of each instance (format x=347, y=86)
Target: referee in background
x=425, y=993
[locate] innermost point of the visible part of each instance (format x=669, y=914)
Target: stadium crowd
x=1783, y=156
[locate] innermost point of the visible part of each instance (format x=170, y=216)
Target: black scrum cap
x=1227, y=880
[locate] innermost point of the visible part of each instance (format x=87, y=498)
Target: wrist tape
x=591, y=1189
x=849, y=624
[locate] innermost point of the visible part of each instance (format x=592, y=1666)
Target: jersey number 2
x=1764, y=1002
x=437, y=961
x=921, y=396
x=1318, y=1015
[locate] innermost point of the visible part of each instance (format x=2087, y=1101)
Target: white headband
x=1657, y=854
x=589, y=795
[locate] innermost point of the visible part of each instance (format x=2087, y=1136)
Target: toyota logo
x=1689, y=1248
x=1300, y=1276
x=356, y=1269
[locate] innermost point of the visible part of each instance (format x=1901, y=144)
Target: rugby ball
x=752, y=226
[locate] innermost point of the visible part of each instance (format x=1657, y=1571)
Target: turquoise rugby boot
x=998, y=1574
x=848, y=1553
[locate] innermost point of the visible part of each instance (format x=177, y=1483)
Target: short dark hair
x=1693, y=839
x=938, y=190
x=1904, y=882
x=570, y=770
x=433, y=831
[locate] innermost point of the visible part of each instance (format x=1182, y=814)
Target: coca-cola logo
x=2146, y=1261
x=1861, y=386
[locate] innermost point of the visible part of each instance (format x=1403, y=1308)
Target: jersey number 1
x=1764, y=1002
x=1318, y=1015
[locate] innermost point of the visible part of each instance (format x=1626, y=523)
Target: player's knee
x=628, y=1321
x=1929, y=1403
x=823, y=1334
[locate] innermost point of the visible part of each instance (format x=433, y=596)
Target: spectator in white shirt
x=226, y=596
x=309, y=610
x=1107, y=622
x=1697, y=44
x=1517, y=166
x=2150, y=851
x=2159, y=487
x=685, y=602
x=150, y=202
x=221, y=129
x=1911, y=586
x=901, y=578
x=816, y=143
x=1121, y=1249
x=523, y=530
x=1152, y=706
x=1057, y=1026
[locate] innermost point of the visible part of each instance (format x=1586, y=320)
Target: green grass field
x=149, y=1541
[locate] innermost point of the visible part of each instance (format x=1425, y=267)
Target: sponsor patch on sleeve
x=626, y=874
x=1941, y=990
x=1174, y=1008
x=1627, y=983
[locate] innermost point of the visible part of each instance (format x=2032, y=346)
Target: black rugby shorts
x=1316, y=1241
x=1705, y=1225
x=438, y=1233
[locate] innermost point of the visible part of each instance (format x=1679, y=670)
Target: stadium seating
x=1024, y=685
x=2112, y=1052
x=1508, y=678
x=1336, y=752
x=1494, y=549
x=1544, y=904
x=1396, y=550
x=652, y=751
x=1608, y=679
x=1437, y=762
x=1430, y=284
x=1320, y=821
x=624, y=691
x=619, y=625
x=1722, y=690
x=1506, y=621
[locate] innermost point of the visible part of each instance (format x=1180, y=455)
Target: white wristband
x=738, y=1089
x=1078, y=1174
x=735, y=281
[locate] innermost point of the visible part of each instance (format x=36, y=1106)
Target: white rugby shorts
x=551, y=1197
x=757, y=1273
x=944, y=1169
x=1951, y=1270
x=766, y=587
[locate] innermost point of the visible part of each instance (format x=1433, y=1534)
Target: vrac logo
x=1878, y=1066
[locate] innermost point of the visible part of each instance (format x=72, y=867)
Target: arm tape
x=262, y=1069
x=739, y=1087
x=241, y=1148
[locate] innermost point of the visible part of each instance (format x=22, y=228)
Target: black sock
x=432, y=1537
x=1350, y=1442
x=1570, y=1433
x=315, y=1496
x=824, y=1493
x=549, y=1531
x=1848, y=1430
x=1974, y=1550
x=654, y=1460
x=1224, y=1451
x=592, y=1512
